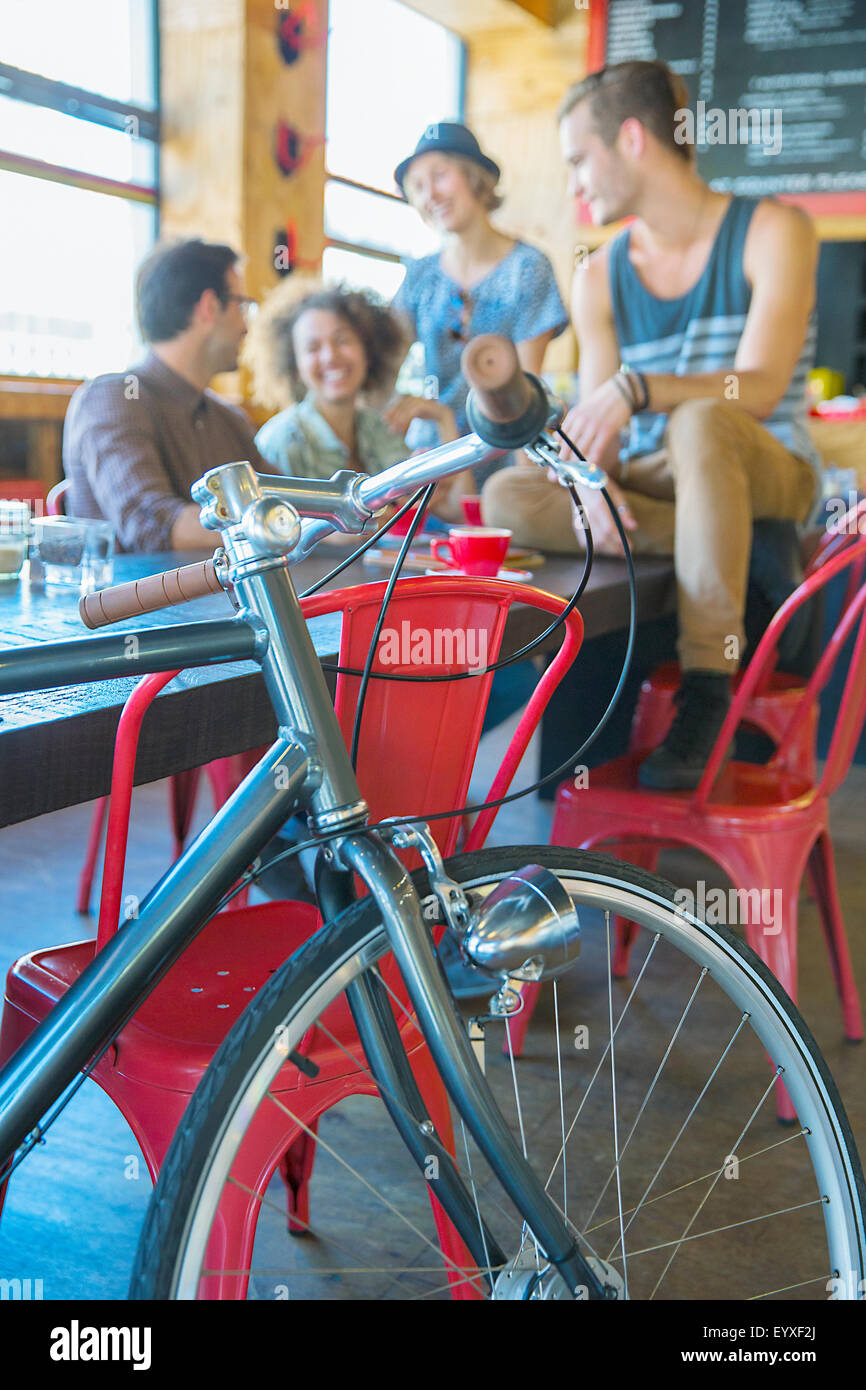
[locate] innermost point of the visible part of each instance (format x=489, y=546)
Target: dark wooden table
x=56, y=745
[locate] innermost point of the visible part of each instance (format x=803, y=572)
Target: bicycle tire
x=183, y=1203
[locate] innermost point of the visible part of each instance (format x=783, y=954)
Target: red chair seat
x=181, y=1024
x=178, y=1028
x=776, y=696
x=741, y=791
x=668, y=677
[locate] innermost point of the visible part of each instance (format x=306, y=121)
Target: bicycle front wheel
x=647, y=1106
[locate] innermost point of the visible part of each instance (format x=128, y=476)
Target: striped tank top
x=700, y=332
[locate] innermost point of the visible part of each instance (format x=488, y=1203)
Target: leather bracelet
x=628, y=373
x=643, y=385
x=620, y=380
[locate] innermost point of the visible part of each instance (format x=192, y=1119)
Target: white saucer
x=516, y=576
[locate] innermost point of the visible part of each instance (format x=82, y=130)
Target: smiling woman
x=328, y=353
x=480, y=281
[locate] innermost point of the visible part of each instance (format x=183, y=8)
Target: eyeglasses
x=249, y=307
x=462, y=305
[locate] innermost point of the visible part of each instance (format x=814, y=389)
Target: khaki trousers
x=720, y=470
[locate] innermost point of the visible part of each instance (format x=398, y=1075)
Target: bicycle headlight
x=527, y=928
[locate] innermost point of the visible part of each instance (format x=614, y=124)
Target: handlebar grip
x=491, y=366
x=147, y=595
x=506, y=407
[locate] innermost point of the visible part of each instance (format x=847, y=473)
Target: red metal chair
x=775, y=699
x=431, y=734
x=762, y=824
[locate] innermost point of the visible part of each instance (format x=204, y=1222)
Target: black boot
x=678, y=763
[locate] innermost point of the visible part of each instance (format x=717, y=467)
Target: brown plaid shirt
x=134, y=443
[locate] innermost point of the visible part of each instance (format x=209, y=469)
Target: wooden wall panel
x=224, y=88
x=202, y=92
x=295, y=94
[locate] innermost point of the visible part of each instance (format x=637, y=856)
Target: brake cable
x=362, y=549
x=417, y=520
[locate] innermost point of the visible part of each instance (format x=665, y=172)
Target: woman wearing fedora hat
x=481, y=281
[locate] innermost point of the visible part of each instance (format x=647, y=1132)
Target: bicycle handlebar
x=507, y=409
x=491, y=366
x=147, y=595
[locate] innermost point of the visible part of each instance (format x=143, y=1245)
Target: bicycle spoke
x=591, y=1083
x=720, y=1230
x=713, y=1185
x=803, y=1284
x=526, y=1231
x=683, y=1187
x=613, y=1102
x=474, y=1192
x=362, y=1180
x=650, y=1090
x=561, y=1098
x=265, y=1201
x=470, y=1278
x=688, y=1118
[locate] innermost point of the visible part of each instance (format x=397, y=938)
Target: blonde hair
x=481, y=182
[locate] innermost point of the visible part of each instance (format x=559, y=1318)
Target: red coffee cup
x=473, y=549
x=472, y=510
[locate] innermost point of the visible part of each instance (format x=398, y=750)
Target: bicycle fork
x=444, y=1034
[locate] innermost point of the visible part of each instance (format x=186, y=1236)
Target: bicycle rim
x=677, y=1180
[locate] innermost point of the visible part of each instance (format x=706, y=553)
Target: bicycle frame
x=307, y=767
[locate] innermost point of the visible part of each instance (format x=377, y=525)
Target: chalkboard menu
x=777, y=89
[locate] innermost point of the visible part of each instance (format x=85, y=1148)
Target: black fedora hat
x=447, y=137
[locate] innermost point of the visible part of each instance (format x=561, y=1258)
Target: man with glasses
x=135, y=442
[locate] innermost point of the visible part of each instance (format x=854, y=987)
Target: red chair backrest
x=838, y=534
x=852, y=707
x=837, y=538
x=418, y=741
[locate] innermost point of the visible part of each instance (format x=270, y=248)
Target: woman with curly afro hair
x=320, y=357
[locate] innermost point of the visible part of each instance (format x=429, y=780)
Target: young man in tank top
x=696, y=332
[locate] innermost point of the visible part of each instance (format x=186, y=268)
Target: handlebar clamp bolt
x=272, y=525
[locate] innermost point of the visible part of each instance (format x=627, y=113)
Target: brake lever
x=577, y=472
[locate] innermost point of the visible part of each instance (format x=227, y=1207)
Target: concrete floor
x=74, y=1210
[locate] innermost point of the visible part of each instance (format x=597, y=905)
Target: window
x=78, y=181
x=412, y=67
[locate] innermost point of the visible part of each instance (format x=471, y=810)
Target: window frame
x=33, y=89
x=382, y=253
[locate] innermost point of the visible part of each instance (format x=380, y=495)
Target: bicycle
x=544, y=1202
